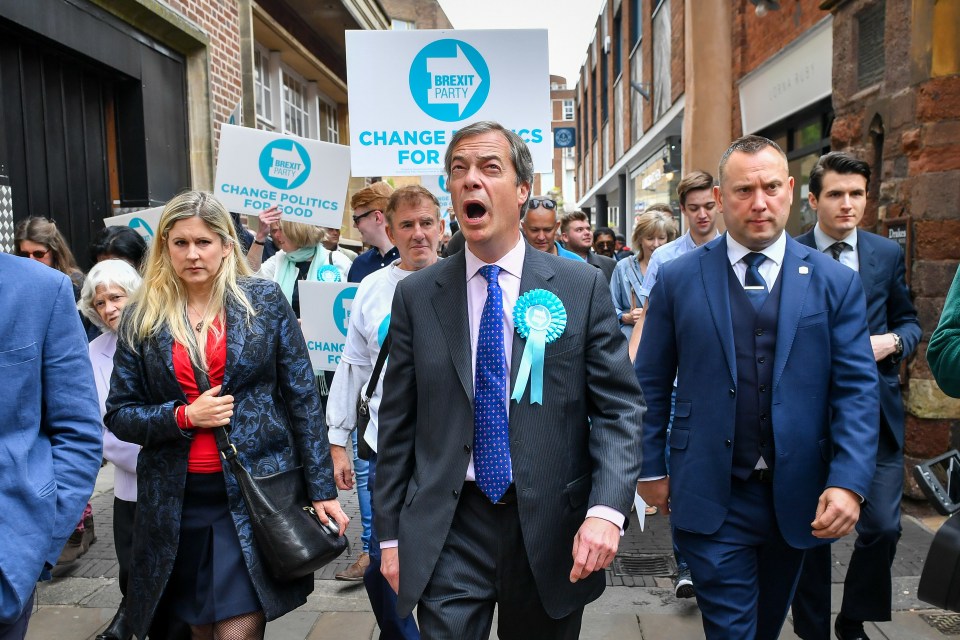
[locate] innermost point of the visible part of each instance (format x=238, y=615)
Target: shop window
x=804, y=137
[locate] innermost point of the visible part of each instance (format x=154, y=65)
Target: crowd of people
x=540, y=376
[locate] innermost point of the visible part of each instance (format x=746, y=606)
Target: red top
x=204, y=456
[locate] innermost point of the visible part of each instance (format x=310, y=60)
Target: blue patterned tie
x=491, y=436
x=753, y=282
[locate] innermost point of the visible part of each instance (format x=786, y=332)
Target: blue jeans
x=360, y=467
x=383, y=598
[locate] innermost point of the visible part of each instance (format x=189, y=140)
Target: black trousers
x=17, y=630
x=124, y=514
x=868, y=586
x=484, y=563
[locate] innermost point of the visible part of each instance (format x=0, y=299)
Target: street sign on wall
x=409, y=92
x=306, y=178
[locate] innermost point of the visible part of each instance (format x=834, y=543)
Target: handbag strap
x=227, y=448
x=381, y=359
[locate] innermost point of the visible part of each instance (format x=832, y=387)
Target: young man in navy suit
x=775, y=427
x=838, y=193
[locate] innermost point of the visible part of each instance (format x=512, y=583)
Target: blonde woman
x=199, y=309
x=655, y=227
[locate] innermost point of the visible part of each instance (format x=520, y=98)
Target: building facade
x=879, y=78
x=114, y=105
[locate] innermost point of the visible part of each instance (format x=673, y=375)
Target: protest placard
x=306, y=178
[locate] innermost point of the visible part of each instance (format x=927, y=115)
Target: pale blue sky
x=570, y=24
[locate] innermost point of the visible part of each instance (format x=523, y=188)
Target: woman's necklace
x=199, y=324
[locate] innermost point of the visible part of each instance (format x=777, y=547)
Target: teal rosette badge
x=540, y=318
x=328, y=273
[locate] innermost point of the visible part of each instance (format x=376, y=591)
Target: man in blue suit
x=775, y=427
x=838, y=193
x=50, y=438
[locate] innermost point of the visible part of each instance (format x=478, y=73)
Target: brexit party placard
x=437, y=185
x=143, y=222
x=306, y=178
x=325, y=315
x=409, y=92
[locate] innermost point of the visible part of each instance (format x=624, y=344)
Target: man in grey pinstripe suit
x=538, y=552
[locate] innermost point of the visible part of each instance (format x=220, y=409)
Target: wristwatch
x=898, y=346
x=255, y=241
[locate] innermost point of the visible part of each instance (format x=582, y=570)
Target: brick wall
x=219, y=19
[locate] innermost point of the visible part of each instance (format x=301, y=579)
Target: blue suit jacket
x=50, y=443
x=889, y=308
x=824, y=403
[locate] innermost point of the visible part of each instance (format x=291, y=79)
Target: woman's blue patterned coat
x=277, y=424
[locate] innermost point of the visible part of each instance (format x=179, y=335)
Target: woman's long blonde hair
x=162, y=300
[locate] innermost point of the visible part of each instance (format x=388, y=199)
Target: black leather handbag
x=363, y=402
x=288, y=533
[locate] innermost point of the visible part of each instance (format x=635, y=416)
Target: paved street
x=79, y=604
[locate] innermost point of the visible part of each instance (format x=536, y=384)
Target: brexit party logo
x=341, y=308
x=285, y=164
x=140, y=226
x=449, y=80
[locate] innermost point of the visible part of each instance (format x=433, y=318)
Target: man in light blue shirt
x=700, y=209
x=540, y=226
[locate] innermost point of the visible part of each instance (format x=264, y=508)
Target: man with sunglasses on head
x=368, y=206
x=540, y=226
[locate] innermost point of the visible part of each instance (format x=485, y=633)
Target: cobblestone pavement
x=78, y=603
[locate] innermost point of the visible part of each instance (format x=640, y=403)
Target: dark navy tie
x=491, y=436
x=753, y=282
x=837, y=248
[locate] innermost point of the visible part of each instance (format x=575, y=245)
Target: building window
x=329, y=123
x=636, y=24
x=870, y=60
x=604, y=84
x=617, y=35
x=568, y=109
x=263, y=88
x=296, y=109
x=661, y=60
x=402, y=25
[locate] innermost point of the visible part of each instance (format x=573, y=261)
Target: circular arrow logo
x=449, y=80
x=341, y=308
x=284, y=164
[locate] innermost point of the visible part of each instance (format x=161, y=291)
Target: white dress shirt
x=850, y=257
x=769, y=268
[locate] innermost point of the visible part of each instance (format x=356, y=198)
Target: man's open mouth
x=475, y=210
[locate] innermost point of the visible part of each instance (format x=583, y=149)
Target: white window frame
x=296, y=103
x=402, y=25
x=329, y=119
x=264, y=86
x=569, y=109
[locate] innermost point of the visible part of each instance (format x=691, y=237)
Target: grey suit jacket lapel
x=450, y=304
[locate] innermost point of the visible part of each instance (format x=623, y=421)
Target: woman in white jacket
x=105, y=292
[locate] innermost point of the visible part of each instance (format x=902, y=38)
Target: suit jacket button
x=761, y=359
x=456, y=494
x=466, y=448
x=728, y=443
x=733, y=393
x=758, y=332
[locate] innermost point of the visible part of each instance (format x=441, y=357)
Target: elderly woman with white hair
x=105, y=292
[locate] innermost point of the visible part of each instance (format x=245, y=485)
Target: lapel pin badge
x=804, y=271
